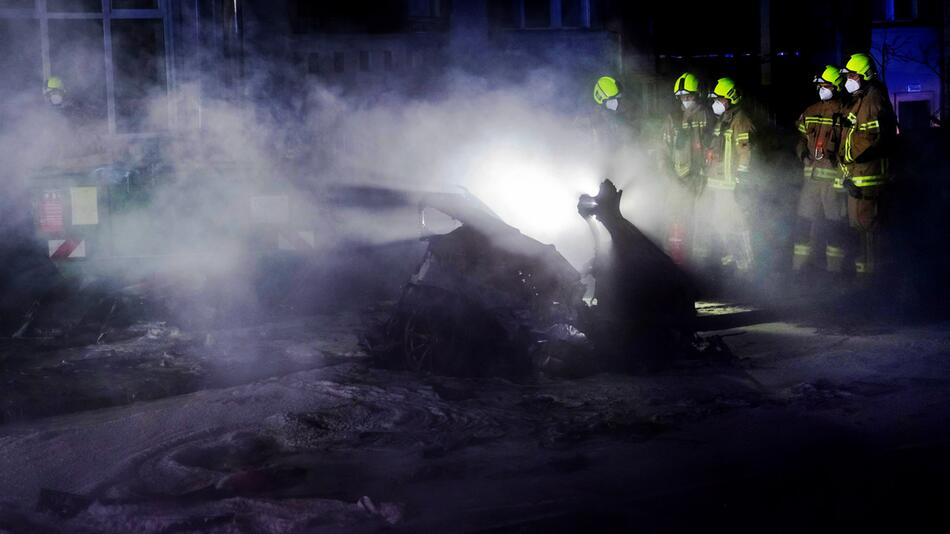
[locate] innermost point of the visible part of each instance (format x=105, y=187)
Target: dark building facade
x=117, y=55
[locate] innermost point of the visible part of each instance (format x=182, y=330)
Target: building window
x=113, y=62
x=21, y=61
x=134, y=4
x=138, y=57
x=928, y=11
x=74, y=6
x=364, y=60
x=75, y=56
x=504, y=14
x=541, y=14
x=425, y=8
x=338, y=62
x=572, y=13
x=16, y=4
x=537, y=13
x=313, y=63
x=904, y=9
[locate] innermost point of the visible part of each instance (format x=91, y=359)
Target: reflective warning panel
x=67, y=249
x=84, y=205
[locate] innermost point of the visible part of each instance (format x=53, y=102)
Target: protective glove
x=605, y=204
x=852, y=189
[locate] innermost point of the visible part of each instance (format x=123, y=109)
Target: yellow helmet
x=686, y=84
x=726, y=88
x=605, y=89
x=54, y=83
x=861, y=64
x=831, y=75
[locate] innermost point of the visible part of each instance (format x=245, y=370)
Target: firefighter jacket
x=820, y=126
x=685, y=141
x=870, y=127
x=731, y=149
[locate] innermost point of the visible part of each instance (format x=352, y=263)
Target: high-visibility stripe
x=834, y=252
x=868, y=181
x=821, y=173
x=724, y=185
x=802, y=129
x=818, y=120
x=727, y=156
x=742, y=137
x=847, y=146
x=861, y=267
x=802, y=249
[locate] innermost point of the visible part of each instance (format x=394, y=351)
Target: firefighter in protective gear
x=728, y=164
x=607, y=121
x=870, y=127
x=822, y=204
x=55, y=91
x=607, y=92
x=72, y=142
x=683, y=155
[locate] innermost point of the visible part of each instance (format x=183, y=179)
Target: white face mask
x=852, y=85
x=56, y=99
x=688, y=104
x=612, y=104
x=824, y=93
x=718, y=107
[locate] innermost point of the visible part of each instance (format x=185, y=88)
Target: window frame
x=106, y=14
x=555, y=17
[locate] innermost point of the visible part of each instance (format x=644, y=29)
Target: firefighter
x=55, y=92
x=683, y=155
x=72, y=142
x=822, y=204
x=728, y=165
x=867, y=142
x=607, y=93
x=607, y=123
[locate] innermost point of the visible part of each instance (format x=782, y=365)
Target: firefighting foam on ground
x=471, y=266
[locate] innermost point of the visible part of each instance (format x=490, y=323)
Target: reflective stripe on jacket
x=871, y=127
x=684, y=141
x=733, y=137
x=820, y=126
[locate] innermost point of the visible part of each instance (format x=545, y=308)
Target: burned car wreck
x=488, y=300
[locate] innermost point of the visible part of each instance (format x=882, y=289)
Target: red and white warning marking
x=296, y=240
x=65, y=249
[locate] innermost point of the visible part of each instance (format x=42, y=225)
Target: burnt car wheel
x=420, y=343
